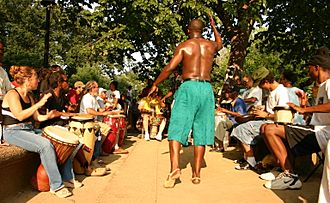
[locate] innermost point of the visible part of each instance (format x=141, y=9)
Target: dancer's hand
x=153, y=88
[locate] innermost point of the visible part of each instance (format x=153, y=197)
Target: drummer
x=75, y=95
x=253, y=93
x=238, y=108
x=247, y=133
x=58, y=83
x=19, y=108
x=89, y=105
x=146, y=110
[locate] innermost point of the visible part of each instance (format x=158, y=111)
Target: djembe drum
x=64, y=144
x=84, y=127
x=115, y=123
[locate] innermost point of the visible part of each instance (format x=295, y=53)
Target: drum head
x=245, y=118
x=62, y=134
x=83, y=117
x=116, y=116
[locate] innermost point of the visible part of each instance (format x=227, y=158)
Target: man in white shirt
x=253, y=94
x=90, y=106
x=114, y=96
x=247, y=133
x=5, y=85
x=303, y=140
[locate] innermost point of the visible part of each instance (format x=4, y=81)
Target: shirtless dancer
x=194, y=100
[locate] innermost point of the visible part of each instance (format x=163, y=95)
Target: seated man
x=75, y=95
x=238, y=108
x=253, y=93
x=302, y=140
x=89, y=105
x=58, y=84
x=150, y=107
x=247, y=133
x=287, y=79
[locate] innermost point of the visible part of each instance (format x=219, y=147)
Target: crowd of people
x=249, y=111
x=259, y=121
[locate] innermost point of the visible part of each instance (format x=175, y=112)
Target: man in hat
x=247, y=133
x=303, y=140
x=75, y=95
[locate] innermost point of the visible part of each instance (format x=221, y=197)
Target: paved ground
x=138, y=177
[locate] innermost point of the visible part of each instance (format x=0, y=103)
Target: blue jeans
x=30, y=139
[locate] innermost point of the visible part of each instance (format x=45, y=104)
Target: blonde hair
x=89, y=86
x=20, y=73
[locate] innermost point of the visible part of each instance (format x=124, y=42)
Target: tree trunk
x=239, y=45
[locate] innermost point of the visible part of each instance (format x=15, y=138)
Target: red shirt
x=73, y=96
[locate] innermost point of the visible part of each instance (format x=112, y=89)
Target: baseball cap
x=79, y=84
x=258, y=75
x=102, y=90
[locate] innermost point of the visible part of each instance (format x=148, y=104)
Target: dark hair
x=290, y=76
x=114, y=83
x=269, y=78
x=55, y=79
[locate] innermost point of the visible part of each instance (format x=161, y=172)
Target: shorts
x=301, y=140
x=193, y=110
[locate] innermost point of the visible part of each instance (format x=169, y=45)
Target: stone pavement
x=138, y=177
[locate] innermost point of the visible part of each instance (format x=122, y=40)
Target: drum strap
x=75, y=151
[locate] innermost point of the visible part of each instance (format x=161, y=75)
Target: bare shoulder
x=12, y=93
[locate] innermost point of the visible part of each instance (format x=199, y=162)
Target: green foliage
x=100, y=40
x=296, y=28
x=88, y=73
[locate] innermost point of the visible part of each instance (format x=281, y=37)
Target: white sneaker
x=271, y=175
x=159, y=137
x=146, y=137
x=284, y=181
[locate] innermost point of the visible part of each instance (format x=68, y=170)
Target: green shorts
x=193, y=110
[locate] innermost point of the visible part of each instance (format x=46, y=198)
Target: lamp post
x=47, y=3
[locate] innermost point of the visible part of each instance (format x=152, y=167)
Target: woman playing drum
x=18, y=109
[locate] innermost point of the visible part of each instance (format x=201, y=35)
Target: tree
x=296, y=29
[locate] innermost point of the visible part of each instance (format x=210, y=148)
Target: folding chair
x=319, y=163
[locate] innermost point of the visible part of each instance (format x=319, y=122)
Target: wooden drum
x=64, y=141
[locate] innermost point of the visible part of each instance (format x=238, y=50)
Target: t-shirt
x=298, y=118
x=114, y=95
x=88, y=101
x=277, y=97
x=73, y=96
x=53, y=103
x=148, y=103
x=321, y=121
x=254, y=92
x=238, y=106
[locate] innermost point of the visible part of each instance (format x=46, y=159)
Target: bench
x=17, y=166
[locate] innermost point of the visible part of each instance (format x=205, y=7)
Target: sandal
x=196, y=180
x=61, y=193
x=171, y=178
